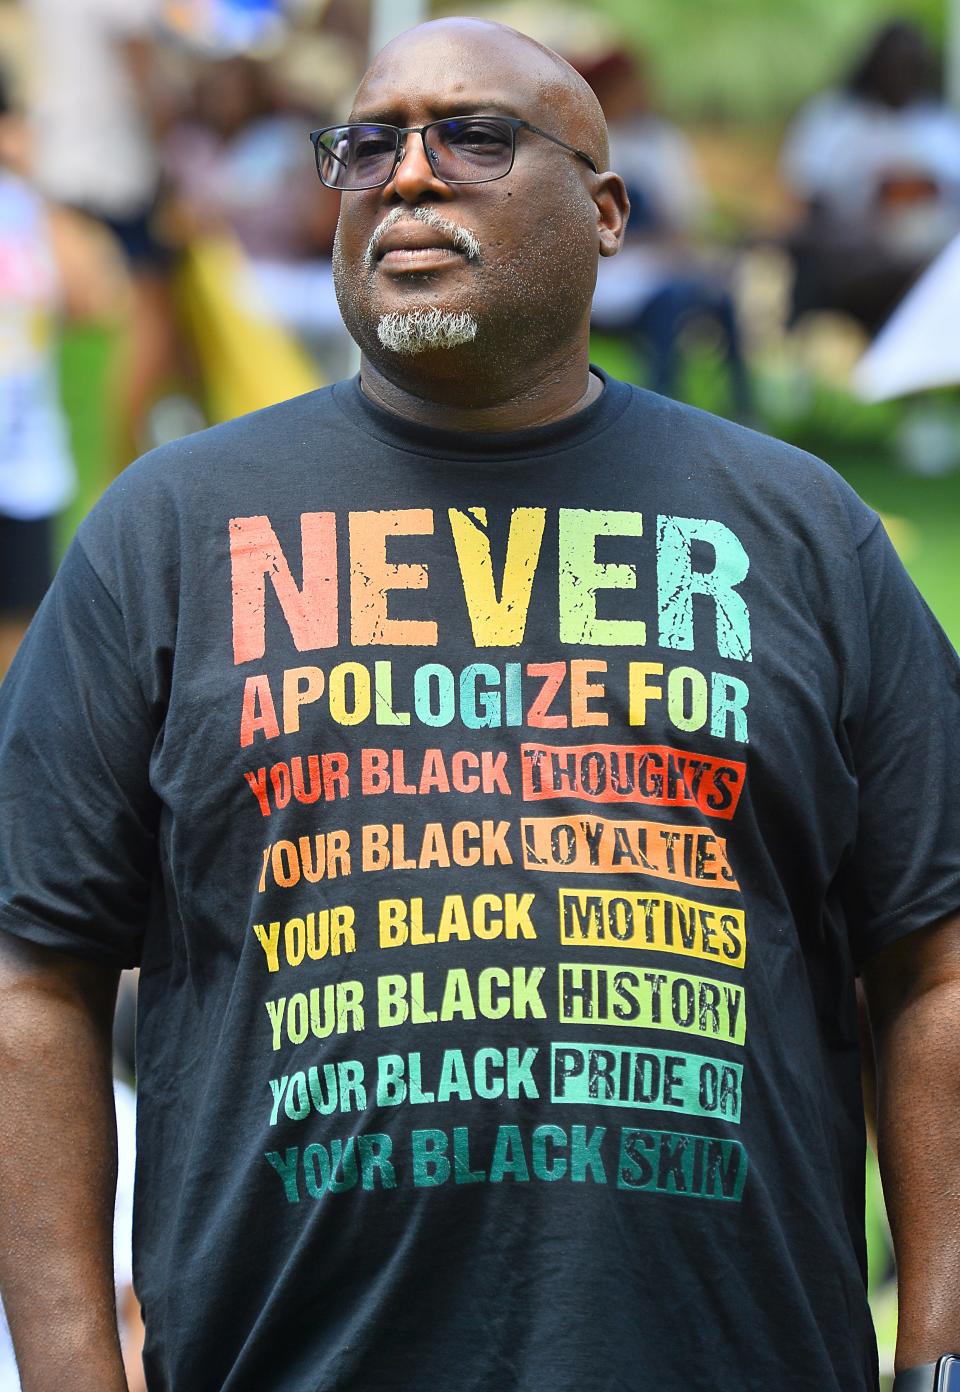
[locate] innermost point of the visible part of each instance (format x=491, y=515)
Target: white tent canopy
x=919, y=346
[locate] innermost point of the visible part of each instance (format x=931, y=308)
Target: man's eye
x=480, y=138
x=372, y=147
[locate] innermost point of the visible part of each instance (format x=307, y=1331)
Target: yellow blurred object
x=901, y=532
x=246, y=358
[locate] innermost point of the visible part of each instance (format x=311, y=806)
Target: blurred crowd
x=156, y=178
x=155, y=175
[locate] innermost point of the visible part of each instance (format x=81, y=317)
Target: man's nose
x=413, y=177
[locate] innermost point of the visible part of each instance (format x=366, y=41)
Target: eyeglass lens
x=460, y=151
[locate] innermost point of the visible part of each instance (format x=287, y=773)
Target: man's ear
x=613, y=209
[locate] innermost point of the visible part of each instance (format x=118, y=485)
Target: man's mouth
x=413, y=246
x=420, y=240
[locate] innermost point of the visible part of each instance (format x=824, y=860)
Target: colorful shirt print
x=499, y=823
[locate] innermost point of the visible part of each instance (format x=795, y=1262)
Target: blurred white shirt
x=658, y=164
x=841, y=148
x=654, y=157
x=92, y=147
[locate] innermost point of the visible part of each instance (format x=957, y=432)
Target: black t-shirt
x=499, y=822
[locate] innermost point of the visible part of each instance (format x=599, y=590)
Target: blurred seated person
x=658, y=285
x=236, y=164
x=876, y=165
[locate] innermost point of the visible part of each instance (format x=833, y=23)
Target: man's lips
x=416, y=246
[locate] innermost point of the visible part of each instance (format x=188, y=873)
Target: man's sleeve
x=77, y=814
x=904, y=871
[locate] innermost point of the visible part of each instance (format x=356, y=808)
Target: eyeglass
x=461, y=150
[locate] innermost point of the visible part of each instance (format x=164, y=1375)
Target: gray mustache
x=462, y=238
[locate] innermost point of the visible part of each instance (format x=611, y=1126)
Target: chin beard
x=417, y=330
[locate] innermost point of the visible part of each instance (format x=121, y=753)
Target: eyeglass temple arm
x=582, y=154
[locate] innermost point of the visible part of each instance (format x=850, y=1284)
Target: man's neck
x=550, y=397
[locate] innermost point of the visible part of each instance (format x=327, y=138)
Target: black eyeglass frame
x=514, y=123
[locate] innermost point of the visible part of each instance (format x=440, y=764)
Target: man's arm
x=58, y=1169
x=93, y=279
x=913, y=993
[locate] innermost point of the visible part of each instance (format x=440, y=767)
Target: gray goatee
x=416, y=330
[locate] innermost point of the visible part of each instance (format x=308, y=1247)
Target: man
x=499, y=775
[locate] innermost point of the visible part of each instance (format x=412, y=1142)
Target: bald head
x=477, y=284
x=544, y=84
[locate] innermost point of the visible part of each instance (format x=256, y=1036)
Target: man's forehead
x=391, y=105
x=440, y=70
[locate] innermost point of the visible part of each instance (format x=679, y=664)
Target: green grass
x=86, y=361
x=931, y=547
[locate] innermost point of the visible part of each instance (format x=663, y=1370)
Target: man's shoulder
x=730, y=444
x=747, y=472
x=180, y=487
x=225, y=457
x=238, y=442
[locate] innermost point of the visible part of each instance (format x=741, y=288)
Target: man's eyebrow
x=388, y=116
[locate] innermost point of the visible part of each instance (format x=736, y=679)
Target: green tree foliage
x=754, y=60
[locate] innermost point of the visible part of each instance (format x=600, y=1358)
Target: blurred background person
x=660, y=283
x=234, y=165
x=228, y=26
x=52, y=263
x=876, y=166
x=94, y=100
